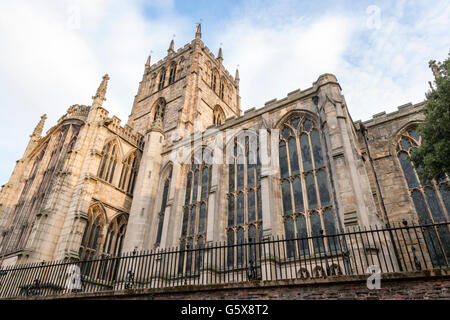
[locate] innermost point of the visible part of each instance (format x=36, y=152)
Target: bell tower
x=194, y=85
x=189, y=90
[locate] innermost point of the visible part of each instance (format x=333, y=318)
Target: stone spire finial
x=198, y=33
x=171, y=47
x=434, y=68
x=147, y=64
x=220, y=55
x=236, y=77
x=101, y=92
x=37, y=132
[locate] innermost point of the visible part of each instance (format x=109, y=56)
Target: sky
x=53, y=54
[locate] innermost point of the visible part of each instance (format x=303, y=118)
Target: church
x=189, y=168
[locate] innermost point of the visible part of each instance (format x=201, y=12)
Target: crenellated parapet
x=401, y=112
x=218, y=64
x=76, y=111
x=173, y=56
x=125, y=132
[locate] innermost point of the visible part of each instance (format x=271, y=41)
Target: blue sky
x=54, y=53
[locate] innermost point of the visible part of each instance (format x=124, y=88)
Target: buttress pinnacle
x=37, y=132
x=101, y=92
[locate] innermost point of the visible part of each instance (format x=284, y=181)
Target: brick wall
x=403, y=286
x=403, y=290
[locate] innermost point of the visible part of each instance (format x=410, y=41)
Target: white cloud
x=273, y=62
x=51, y=58
x=378, y=68
x=391, y=63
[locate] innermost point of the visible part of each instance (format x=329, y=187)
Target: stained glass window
x=108, y=162
x=244, y=197
x=231, y=210
x=195, y=209
x=286, y=191
x=129, y=173
x=316, y=232
x=305, y=187
x=115, y=235
x=163, y=207
x=408, y=170
x=290, y=234
x=283, y=160
x=172, y=73
x=90, y=246
x=230, y=249
x=302, y=233
x=430, y=198
x=298, y=195
x=162, y=78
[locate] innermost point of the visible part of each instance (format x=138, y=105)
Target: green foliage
x=432, y=158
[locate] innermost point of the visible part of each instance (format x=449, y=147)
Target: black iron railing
x=401, y=247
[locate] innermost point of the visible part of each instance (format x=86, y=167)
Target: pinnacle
x=101, y=91
x=40, y=126
x=171, y=47
x=198, y=33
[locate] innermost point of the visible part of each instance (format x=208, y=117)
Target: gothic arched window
x=195, y=209
x=244, y=196
x=129, y=173
x=162, y=78
x=160, y=108
x=165, y=195
x=306, y=196
x=222, y=90
x=214, y=80
x=109, y=161
x=172, y=73
x=91, y=242
x=431, y=199
x=115, y=235
x=218, y=116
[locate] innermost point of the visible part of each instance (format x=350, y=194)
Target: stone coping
x=431, y=274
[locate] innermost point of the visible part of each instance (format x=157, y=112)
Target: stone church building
x=190, y=168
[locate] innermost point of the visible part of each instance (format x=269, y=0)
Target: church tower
x=191, y=83
x=187, y=91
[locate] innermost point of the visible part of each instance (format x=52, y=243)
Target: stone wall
x=383, y=130
x=432, y=284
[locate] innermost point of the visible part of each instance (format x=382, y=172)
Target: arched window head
x=115, y=235
x=305, y=186
x=431, y=199
x=172, y=73
x=162, y=78
x=160, y=109
x=109, y=161
x=129, y=173
x=93, y=234
x=218, y=116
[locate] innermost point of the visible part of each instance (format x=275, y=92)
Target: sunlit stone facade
x=189, y=168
